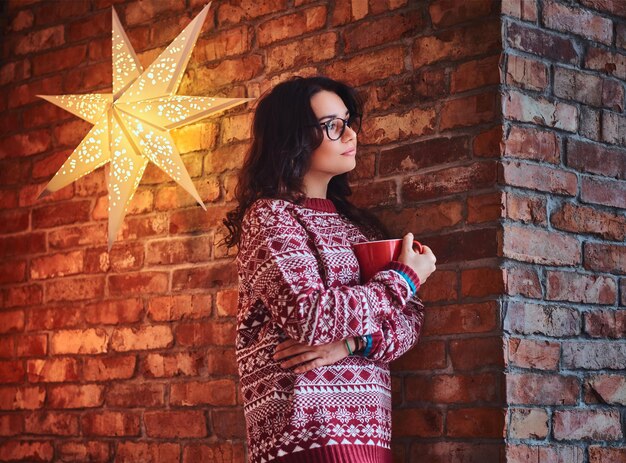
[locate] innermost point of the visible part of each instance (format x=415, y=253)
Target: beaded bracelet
x=348, y=346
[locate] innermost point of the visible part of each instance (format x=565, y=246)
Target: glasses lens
x=335, y=129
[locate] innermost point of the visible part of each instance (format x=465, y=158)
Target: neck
x=315, y=187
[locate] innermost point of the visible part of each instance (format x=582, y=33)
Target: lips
x=350, y=152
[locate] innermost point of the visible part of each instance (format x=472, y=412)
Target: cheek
x=323, y=155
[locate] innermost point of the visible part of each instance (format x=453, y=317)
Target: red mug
x=373, y=256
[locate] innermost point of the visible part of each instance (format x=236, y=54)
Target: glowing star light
x=131, y=125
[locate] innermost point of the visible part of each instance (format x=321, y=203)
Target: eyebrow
x=332, y=116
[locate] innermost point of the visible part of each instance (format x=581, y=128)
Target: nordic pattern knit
x=299, y=279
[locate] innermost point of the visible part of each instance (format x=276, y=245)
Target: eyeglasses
x=337, y=126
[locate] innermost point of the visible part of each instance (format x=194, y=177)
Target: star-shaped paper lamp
x=131, y=125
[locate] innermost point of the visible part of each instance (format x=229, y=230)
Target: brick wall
x=563, y=172
x=128, y=355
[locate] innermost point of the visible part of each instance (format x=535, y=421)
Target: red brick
x=442, y=286
x=528, y=423
x=367, y=67
x=588, y=220
x=440, y=452
x=226, y=303
x=109, y=368
x=217, y=393
x=291, y=25
x=18, y=296
x=551, y=453
x=607, y=192
x=588, y=88
x=576, y=287
x=535, y=354
x=141, y=338
x=179, y=307
x=605, y=323
x=67, y=237
x=55, y=265
x=203, y=334
x=541, y=43
x=59, y=60
x=453, y=389
x=20, y=450
x=520, y=107
x=482, y=282
x=426, y=355
x=224, y=452
x=596, y=159
x=422, y=154
x=196, y=219
x=176, y=251
x=53, y=370
x=246, y=10
x=448, y=181
x=23, y=244
x=7, y=347
x=526, y=73
x=417, y=422
x=488, y=144
x=422, y=219
x=11, y=425
x=470, y=111
x=142, y=282
x=607, y=454
x=527, y=143
x=605, y=258
x=573, y=20
x=54, y=317
x=34, y=142
x=587, y=425
x=304, y=51
x=87, y=28
x=134, y=395
x=22, y=20
x=40, y=40
x=606, y=389
x=526, y=209
x=50, y=14
x=14, y=221
x=206, y=79
x=110, y=423
x=74, y=289
x=539, y=177
x=444, y=13
x=539, y=246
x=11, y=322
x=542, y=389
x=524, y=281
x=173, y=364
x=229, y=424
x=464, y=246
x=22, y=397
x=465, y=318
x=613, y=128
x=609, y=62
x=61, y=214
x=221, y=362
x=113, y=312
x=475, y=74
x=548, y=320
x=93, y=451
x=175, y=424
x=456, y=44
x=215, y=275
x=89, y=341
x=34, y=345
x=225, y=43
x=130, y=452
x=475, y=422
x=11, y=371
x=375, y=194
x=485, y=207
x=60, y=424
x=75, y=396
x=383, y=30
x=593, y=355
x=476, y=353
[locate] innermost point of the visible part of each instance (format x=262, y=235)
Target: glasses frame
x=346, y=123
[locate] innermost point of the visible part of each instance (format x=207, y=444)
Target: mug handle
x=417, y=247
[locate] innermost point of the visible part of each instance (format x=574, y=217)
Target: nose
x=348, y=133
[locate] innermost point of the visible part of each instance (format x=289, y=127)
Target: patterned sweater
x=299, y=279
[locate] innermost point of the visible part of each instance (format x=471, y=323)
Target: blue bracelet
x=407, y=279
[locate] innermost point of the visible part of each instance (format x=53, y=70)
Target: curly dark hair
x=285, y=132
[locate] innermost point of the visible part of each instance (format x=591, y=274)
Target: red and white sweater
x=299, y=279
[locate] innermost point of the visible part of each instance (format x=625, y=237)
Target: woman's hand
x=291, y=353
x=423, y=264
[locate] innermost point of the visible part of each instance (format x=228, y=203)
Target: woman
x=313, y=344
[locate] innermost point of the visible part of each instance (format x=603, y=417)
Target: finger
x=293, y=361
x=291, y=351
x=407, y=242
x=285, y=344
x=309, y=366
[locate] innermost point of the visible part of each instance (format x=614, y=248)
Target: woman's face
x=332, y=157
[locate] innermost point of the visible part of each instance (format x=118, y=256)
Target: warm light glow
x=131, y=125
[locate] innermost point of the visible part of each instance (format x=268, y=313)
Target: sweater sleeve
x=282, y=271
x=398, y=332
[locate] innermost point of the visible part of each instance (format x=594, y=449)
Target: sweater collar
x=320, y=204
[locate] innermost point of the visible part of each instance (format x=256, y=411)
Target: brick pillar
x=563, y=172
